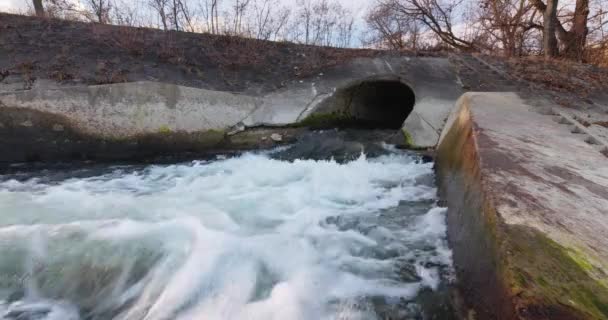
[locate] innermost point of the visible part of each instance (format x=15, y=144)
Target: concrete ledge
x=127, y=109
x=527, y=215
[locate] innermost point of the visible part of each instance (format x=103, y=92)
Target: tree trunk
x=39, y=8
x=100, y=12
x=175, y=15
x=576, y=39
x=163, y=19
x=549, y=24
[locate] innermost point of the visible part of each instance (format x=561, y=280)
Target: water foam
x=248, y=237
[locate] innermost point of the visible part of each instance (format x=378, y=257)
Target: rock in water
x=276, y=137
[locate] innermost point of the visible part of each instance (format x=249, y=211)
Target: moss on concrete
x=164, y=129
x=327, y=120
x=409, y=140
x=546, y=276
x=508, y=271
x=210, y=137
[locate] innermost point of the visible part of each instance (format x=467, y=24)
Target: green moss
x=578, y=257
x=549, y=275
x=164, y=129
x=409, y=140
x=539, y=278
x=210, y=137
x=327, y=120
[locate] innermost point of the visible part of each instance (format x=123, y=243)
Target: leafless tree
x=321, y=22
x=100, y=10
x=125, y=14
x=63, y=9
x=239, y=9
x=161, y=8
x=507, y=22
x=173, y=14
x=304, y=20
x=210, y=11
x=183, y=13
x=269, y=19
x=345, y=31
x=387, y=30
x=435, y=15
x=572, y=40
x=39, y=8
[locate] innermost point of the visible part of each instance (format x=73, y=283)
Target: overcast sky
x=357, y=6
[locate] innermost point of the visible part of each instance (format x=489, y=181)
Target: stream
x=335, y=226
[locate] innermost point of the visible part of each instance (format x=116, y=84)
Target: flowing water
x=346, y=230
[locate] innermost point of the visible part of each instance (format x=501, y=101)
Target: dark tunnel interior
x=380, y=104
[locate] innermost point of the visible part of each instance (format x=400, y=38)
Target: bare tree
x=63, y=9
x=508, y=22
x=187, y=15
x=210, y=11
x=387, y=30
x=126, y=13
x=100, y=10
x=269, y=19
x=180, y=16
x=160, y=6
x=38, y=8
x=345, y=31
x=573, y=40
x=436, y=15
x=549, y=10
x=321, y=22
x=239, y=10
x=304, y=19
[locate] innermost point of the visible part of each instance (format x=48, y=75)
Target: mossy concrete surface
x=28, y=135
x=527, y=216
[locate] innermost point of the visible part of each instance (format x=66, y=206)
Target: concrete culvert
x=379, y=104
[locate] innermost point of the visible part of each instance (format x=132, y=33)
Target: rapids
x=264, y=235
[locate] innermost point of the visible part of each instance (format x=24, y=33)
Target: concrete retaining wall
x=526, y=212
x=130, y=112
x=127, y=109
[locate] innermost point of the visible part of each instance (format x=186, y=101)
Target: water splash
x=245, y=237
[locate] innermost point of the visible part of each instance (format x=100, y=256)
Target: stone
x=276, y=137
x=239, y=127
x=27, y=123
x=58, y=127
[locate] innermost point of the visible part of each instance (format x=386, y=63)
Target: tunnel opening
x=370, y=104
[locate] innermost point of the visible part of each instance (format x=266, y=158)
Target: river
x=329, y=228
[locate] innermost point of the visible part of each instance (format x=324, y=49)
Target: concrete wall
x=527, y=216
x=130, y=111
x=127, y=109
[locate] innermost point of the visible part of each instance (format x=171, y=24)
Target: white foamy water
x=243, y=238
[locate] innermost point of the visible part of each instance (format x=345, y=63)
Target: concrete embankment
x=527, y=196
x=140, y=119
x=527, y=215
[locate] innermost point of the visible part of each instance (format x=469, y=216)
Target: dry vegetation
x=228, y=49
x=96, y=53
x=560, y=75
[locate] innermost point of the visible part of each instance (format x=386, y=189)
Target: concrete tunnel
x=372, y=103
